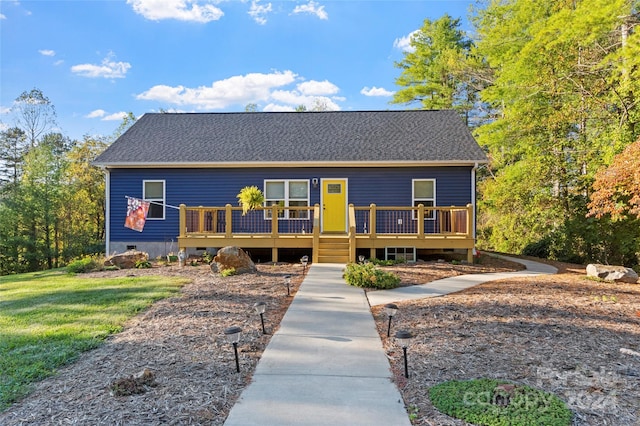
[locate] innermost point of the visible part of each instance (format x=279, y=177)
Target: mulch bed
x=560, y=333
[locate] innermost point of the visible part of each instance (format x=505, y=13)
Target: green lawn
x=48, y=318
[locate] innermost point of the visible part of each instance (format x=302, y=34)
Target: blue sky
x=96, y=60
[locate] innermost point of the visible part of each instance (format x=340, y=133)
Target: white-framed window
x=408, y=254
x=424, y=192
x=287, y=193
x=153, y=190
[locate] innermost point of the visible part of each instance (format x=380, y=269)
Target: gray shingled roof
x=343, y=137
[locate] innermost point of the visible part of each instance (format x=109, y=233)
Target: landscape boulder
x=233, y=257
x=612, y=273
x=126, y=260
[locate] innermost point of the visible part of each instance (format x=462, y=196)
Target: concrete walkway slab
x=325, y=365
x=455, y=284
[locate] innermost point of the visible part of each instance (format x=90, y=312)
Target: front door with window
x=334, y=205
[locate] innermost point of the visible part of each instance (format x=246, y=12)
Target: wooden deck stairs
x=333, y=249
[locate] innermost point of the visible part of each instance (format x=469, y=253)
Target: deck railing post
x=274, y=221
x=372, y=228
x=183, y=221
x=352, y=233
x=421, y=221
x=316, y=233
x=228, y=221
x=200, y=219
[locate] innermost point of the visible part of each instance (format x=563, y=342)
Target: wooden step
x=333, y=250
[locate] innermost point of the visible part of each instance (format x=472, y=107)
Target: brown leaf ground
x=561, y=333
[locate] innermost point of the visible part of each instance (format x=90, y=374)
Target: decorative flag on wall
x=137, y=210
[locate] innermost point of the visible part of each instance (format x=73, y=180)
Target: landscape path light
x=233, y=337
x=287, y=282
x=403, y=337
x=260, y=308
x=304, y=260
x=390, y=309
x=361, y=258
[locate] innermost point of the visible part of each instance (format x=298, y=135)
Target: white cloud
x=278, y=108
x=317, y=88
x=4, y=110
x=3, y=16
x=96, y=113
x=404, y=43
x=182, y=10
x=270, y=89
x=103, y=116
x=47, y=52
x=313, y=9
x=236, y=90
x=58, y=62
x=116, y=116
x=376, y=91
x=258, y=12
x=107, y=69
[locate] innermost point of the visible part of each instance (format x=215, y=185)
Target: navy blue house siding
x=218, y=187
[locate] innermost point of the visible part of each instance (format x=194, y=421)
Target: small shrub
x=228, y=272
x=367, y=275
x=83, y=265
x=389, y=262
x=207, y=257
x=143, y=264
x=485, y=402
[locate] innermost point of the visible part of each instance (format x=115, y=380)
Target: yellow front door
x=334, y=205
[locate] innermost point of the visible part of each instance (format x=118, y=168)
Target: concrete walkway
x=459, y=283
x=326, y=364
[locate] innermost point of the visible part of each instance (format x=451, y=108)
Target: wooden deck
x=368, y=227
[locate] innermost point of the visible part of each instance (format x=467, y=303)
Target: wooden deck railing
x=368, y=221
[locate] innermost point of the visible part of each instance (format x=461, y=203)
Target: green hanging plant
x=249, y=198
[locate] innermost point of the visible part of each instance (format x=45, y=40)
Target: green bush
x=483, y=403
x=228, y=272
x=367, y=275
x=143, y=264
x=82, y=265
x=389, y=262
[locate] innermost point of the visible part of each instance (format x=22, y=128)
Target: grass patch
x=48, y=318
x=487, y=402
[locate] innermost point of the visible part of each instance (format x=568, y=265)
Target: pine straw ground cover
x=560, y=333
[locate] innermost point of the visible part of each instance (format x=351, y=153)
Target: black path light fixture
x=391, y=309
x=305, y=261
x=287, y=283
x=233, y=337
x=403, y=337
x=260, y=308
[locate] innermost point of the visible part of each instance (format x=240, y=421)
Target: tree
x=565, y=105
x=34, y=114
x=127, y=122
x=12, y=150
x=434, y=70
x=617, y=187
x=251, y=107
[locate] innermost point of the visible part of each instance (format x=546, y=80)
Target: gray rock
x=126, y=260
x=612, y=273
x=233, y=257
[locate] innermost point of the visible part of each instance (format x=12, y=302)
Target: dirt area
x=561, y=333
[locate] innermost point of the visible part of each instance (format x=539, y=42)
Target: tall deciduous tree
x=35, y=114
x=561, y=83
x=617, y=187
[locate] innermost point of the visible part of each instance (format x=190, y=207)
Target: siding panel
x=217, y=187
